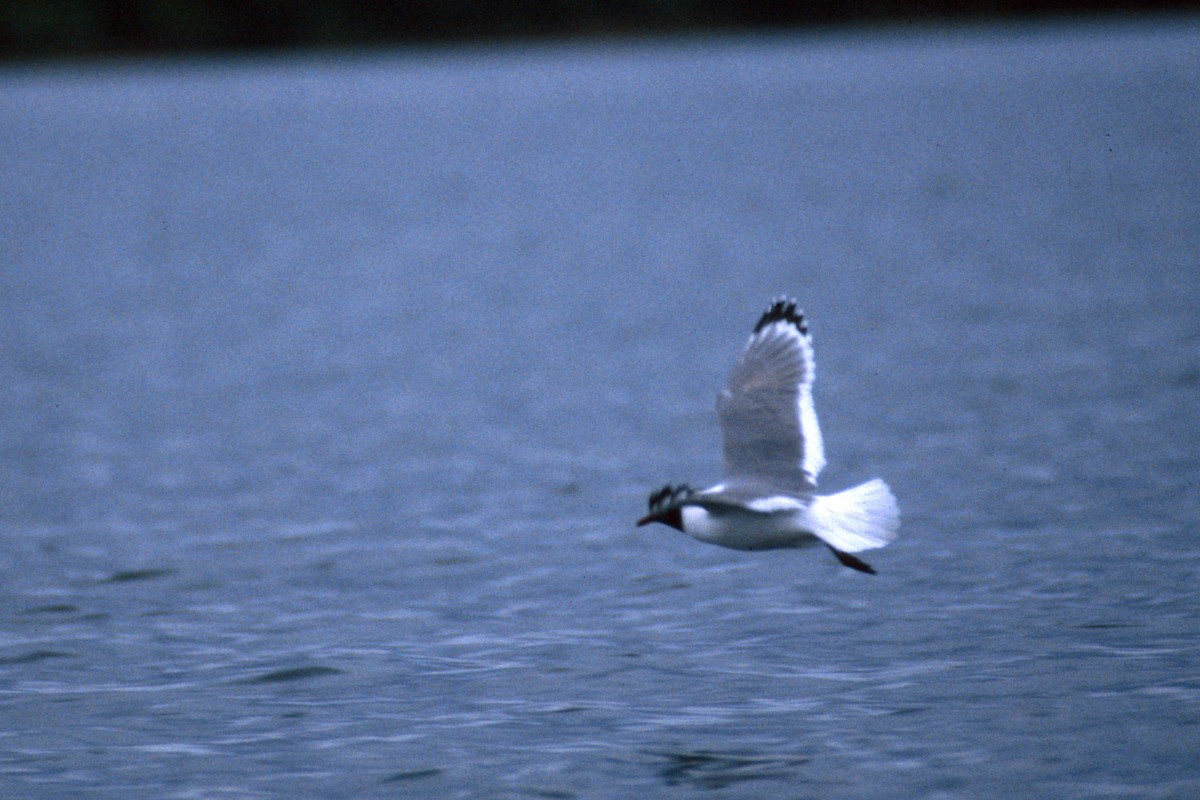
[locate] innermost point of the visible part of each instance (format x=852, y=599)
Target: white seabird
x=773, y=452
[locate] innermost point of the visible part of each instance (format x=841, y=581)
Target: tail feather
x=857, y=519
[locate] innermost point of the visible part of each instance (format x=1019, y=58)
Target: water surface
x=333, y=386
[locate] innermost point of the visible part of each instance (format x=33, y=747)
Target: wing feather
x=768, y=421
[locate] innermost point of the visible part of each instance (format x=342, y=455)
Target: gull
x=773, y=453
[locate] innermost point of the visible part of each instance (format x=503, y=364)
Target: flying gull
x=773, y=453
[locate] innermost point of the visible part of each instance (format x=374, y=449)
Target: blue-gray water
x=332, y=388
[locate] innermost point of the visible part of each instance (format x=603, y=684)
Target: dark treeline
x=37, y=28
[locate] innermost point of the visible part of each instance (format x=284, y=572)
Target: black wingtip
x=783, y=309
x=853, y=563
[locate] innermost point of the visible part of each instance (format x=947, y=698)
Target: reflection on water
x=709, y=770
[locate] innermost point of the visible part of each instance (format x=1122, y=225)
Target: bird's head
x=666, y=506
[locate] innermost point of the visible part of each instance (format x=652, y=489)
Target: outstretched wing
x=767, y=417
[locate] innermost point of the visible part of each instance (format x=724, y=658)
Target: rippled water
x=334, y=385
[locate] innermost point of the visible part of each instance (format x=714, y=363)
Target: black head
x=666, y=506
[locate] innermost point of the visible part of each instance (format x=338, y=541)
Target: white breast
x=699, y=523
x=746, y=530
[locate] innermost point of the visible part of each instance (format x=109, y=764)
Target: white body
x=783, y=529
x=858, y=519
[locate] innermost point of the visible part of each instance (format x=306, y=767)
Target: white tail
x=857, y=519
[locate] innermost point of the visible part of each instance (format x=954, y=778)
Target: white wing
x=767, y=417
